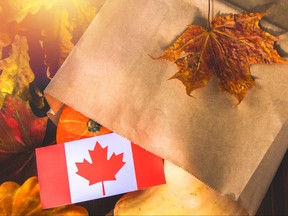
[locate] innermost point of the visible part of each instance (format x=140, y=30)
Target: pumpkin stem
x=93, y=126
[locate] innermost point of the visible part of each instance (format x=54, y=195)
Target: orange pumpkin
x=18, y=200
x=73, y=125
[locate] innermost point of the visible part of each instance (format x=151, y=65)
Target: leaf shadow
x=281, y=51
x=199, y=19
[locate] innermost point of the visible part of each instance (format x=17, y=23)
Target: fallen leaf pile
x=36, y=36
x=227, y=49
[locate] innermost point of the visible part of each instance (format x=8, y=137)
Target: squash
x=73, y=125
x=18, y=200
x=183, y=194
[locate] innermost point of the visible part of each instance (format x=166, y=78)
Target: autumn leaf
x=82, y=13
x=101, y=169
x=66, y=18
x=8, y=31
x=17, y=10
x=25, y=200
x=51, y=28
x=226, y=49
x=57, y=42
x=16, y=72
x=20, y=133
x=12, y=13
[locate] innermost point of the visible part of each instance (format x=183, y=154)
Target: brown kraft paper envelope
x=110, y=77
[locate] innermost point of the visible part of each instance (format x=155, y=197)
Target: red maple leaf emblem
x=101, y=169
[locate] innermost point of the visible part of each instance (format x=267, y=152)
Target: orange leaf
x=227, y=50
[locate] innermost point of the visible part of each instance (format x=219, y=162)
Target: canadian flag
x=93, y=168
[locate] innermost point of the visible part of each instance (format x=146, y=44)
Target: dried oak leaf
x=16, y=72
x=227, y=49
x=82, y=13
x=17, y=10
x=25, y=200
x=94, y=171
x=20, y=133
x=57, y=43
x=12, y=13
x=7, y=30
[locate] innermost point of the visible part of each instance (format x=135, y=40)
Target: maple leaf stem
x=103, y=189
x=208, y=19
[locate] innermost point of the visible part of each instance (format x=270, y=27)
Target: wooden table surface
x=276, y=199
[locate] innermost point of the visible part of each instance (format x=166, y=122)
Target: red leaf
x=20, y=133
x=101, y=169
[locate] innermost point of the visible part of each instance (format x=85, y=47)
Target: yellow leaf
x=66, y=16
x=7, y=30
x=37, y=97
x=17, y=10
x=82, y=13
x=16, y=72
x=57, y=40
x=13, y=12
x=7, y=33
x=25, y=200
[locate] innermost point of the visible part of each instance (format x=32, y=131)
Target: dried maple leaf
x=20, y=133
x=101, y=169
x=226, y=49
x=16, y=72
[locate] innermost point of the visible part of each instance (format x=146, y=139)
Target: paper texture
x=111, y=78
